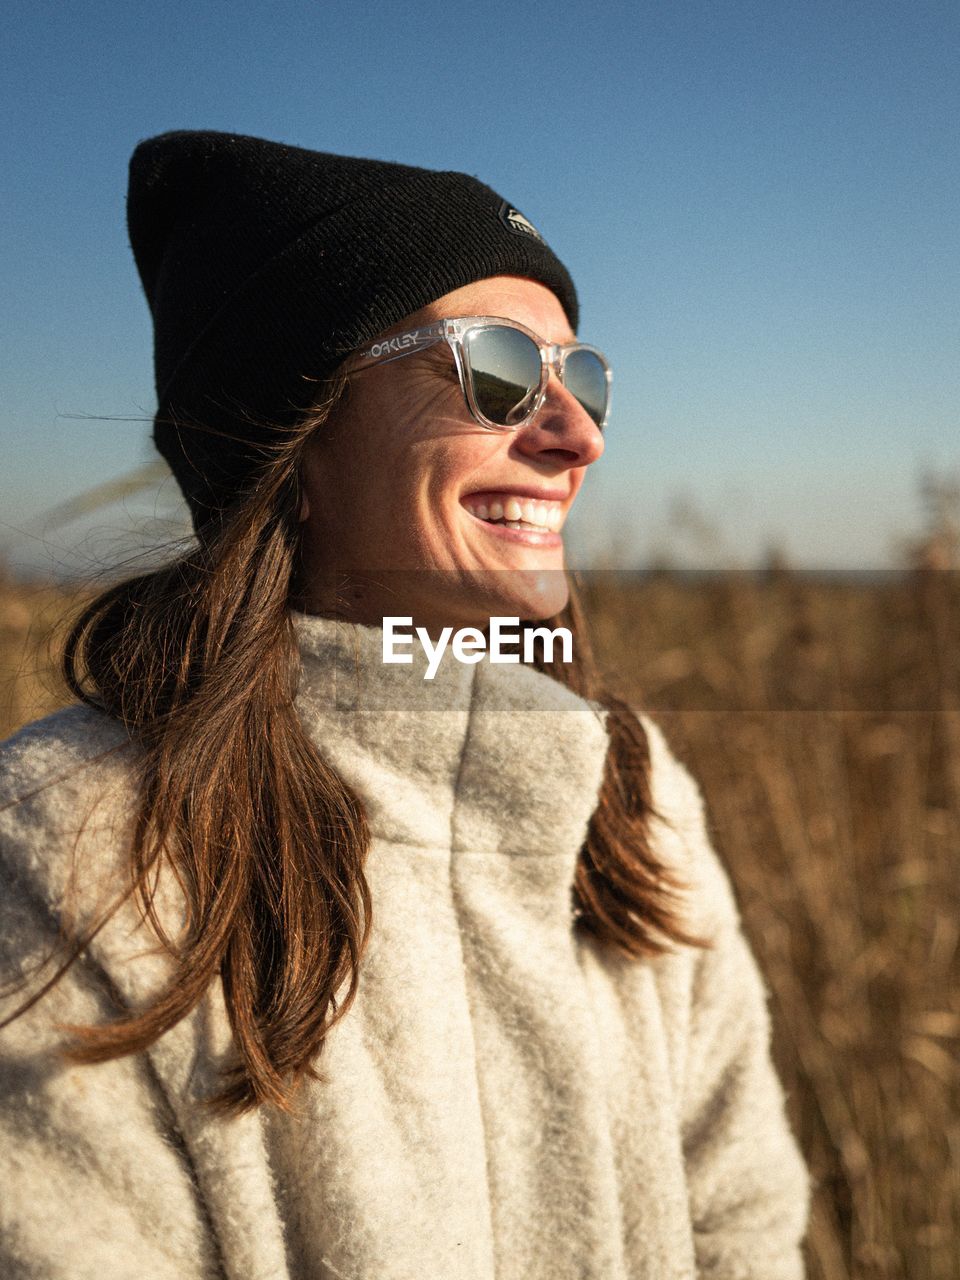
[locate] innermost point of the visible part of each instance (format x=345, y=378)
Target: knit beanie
x=265, y=265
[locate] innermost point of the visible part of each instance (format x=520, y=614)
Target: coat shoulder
x=65, y=783
x=44, y=752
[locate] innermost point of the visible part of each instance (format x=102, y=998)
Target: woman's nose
x=561, y=428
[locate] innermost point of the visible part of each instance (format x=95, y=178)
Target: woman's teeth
x=519, y=513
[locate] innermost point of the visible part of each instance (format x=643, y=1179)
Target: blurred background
x=758, y=202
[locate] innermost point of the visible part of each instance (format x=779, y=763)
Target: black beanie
x=265, y=265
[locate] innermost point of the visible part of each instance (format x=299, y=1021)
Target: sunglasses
x=504, y=368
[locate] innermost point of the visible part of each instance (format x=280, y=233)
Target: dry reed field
x=822, y=719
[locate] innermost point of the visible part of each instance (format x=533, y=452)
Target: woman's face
x=397, y=479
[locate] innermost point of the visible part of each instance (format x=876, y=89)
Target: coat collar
x=484, y=758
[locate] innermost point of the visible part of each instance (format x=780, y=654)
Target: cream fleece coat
x=504, y=1099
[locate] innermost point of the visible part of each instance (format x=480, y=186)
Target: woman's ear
x=304, y=508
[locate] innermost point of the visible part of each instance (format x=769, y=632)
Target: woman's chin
x=442, y=597
x=528, y=594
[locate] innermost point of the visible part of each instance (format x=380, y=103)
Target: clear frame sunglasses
x=504, y=367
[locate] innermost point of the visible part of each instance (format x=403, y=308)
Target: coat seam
x=454, y=898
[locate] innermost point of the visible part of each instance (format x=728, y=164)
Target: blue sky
x=758, y=202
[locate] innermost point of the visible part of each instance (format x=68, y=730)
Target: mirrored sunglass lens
x=505, y=364
x=585, y=378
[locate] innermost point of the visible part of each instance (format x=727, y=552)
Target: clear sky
x=758, y=201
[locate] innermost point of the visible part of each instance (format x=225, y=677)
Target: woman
x=408, y=976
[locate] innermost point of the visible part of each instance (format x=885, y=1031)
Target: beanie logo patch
x=514, y=220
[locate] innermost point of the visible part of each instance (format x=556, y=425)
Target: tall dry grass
x=32, y=623
x=822, y=719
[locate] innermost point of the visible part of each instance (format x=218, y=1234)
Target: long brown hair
x=198, y=660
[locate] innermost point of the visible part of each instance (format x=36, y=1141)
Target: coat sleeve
x=94, y=1181
x=747, y=1181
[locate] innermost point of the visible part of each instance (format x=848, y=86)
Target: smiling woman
x=399, y=478
x=316, y=967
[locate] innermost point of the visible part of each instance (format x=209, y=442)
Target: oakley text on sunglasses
x=504, y=367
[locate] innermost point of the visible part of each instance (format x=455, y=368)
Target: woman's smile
x=529, y=516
